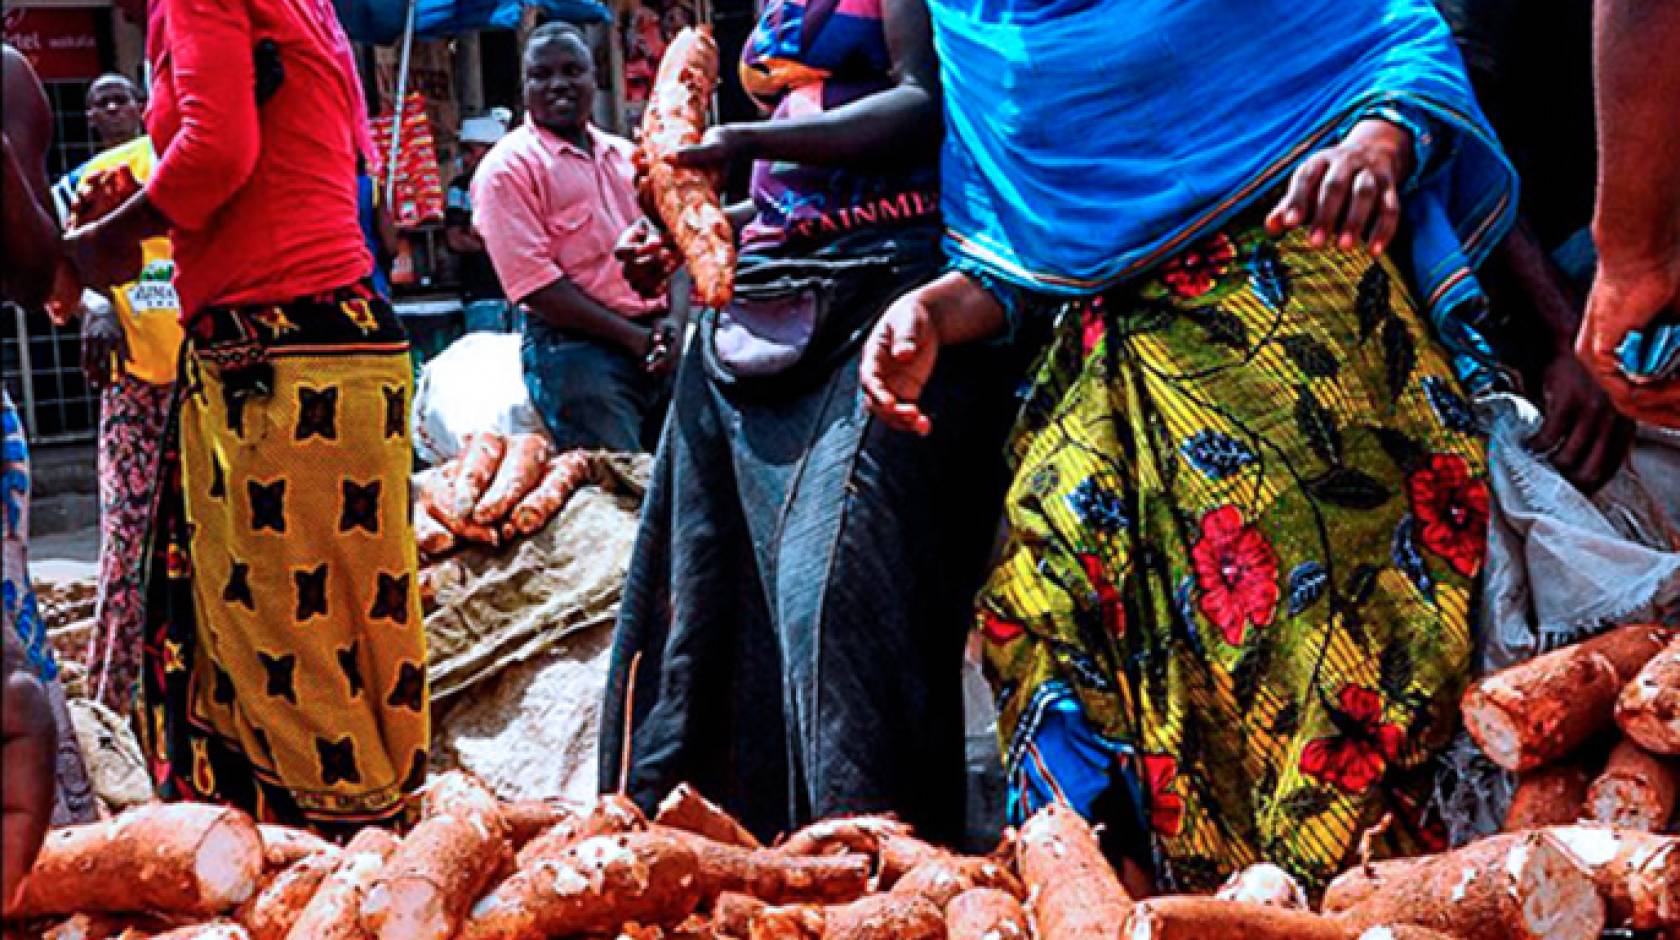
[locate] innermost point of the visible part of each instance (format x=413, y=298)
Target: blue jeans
x=590, y=395
x=488, y=316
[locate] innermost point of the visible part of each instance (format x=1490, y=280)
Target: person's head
x=559, y=79
x=132, y=10
x=113, y=108
x=676, y=16
x=478, y=135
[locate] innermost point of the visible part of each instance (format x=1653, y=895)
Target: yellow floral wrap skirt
x=1248, y=514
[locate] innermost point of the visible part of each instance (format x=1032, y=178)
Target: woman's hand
x=898, y=358
x=28, y=740
x=647, y=257
x=103, y=341
x=1580, y=431
x=1631, y=297
x=1349, y=193
x=902, y=349
x=721, y=148
x=661, y=355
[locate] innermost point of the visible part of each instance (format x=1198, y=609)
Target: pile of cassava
x=499, y=489
x=477, y=868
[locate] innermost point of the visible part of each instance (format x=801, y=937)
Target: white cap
x=483, y=130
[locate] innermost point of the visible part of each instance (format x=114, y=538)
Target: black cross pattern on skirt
x=317, y=414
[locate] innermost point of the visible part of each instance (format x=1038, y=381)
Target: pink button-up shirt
x=547, y=210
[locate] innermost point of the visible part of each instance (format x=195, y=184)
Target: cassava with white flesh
x=1520, y=886
x=167, y=859
x=1545, y=709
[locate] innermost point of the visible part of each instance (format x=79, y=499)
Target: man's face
x=114, y=110
x=676, y=17
x=559, y=84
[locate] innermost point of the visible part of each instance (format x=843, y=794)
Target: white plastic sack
x=1560, y=567
x=477, y=384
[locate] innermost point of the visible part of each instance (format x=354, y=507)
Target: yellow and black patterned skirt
x=285, y=662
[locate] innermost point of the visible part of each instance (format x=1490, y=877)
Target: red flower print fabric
x=1166, y=808
x=1452, y=511
x=1198, y=270
x=1108, y=598
x=1237, y=571
x=1358, y=757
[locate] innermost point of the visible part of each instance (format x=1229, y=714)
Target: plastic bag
x=477, y=384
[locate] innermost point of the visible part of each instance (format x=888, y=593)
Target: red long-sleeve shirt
x=262, y=204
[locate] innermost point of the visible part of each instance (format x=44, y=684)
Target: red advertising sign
x=62, y=43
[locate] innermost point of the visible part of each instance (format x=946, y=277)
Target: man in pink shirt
x=550, y=201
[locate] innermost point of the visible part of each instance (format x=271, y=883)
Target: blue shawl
x=1088, y=140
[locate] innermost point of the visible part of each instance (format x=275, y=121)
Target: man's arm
x=1637, y=223
x=458, y=232
x=1581, y=433
x=563, y=306
x=30, y=236
x=461, y=238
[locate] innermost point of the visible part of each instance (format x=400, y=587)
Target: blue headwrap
x=1088, y=140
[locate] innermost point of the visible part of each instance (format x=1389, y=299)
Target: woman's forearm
x=883, y=128
x=135, y=220
x=31, y=237
x=962, y=311
x=1637, y=221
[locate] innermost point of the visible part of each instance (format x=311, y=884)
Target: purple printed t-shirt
x=807, y=57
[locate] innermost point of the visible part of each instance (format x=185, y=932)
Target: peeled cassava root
x=597, y=885
x=445, y=863
x=168, y=859
x=1649, y=708
x=1074, y=894
x=1539, y=711
x=687, y=199
x=1520, y=886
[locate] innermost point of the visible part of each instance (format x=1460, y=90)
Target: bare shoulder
x=28, y=120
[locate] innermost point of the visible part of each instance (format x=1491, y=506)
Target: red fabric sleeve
x=215, y=151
